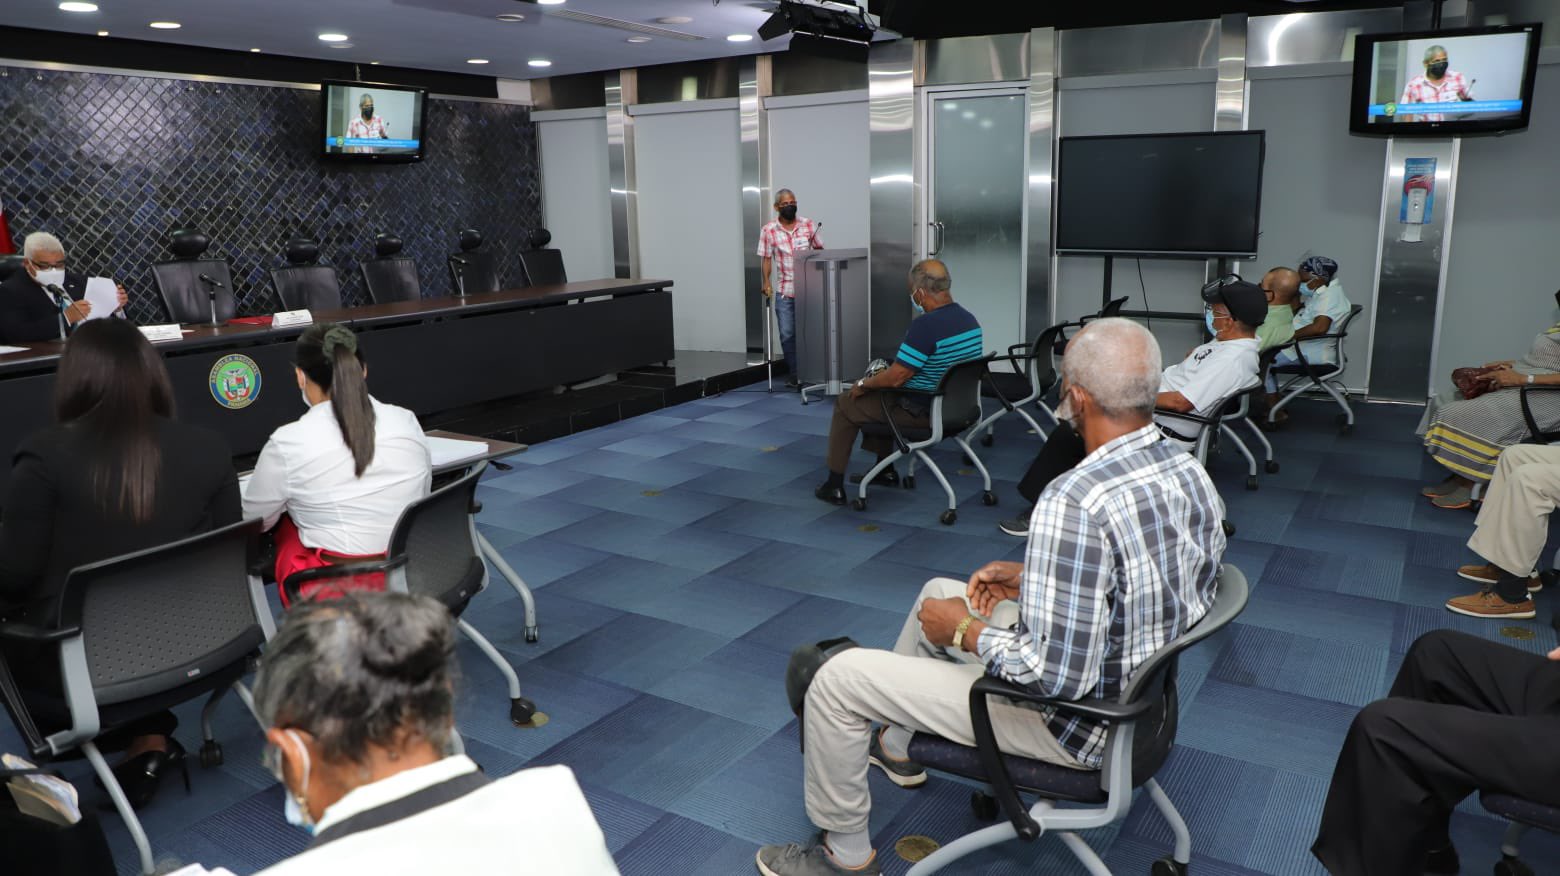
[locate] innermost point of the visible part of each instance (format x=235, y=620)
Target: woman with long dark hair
x=115, y=474
x=333, y=482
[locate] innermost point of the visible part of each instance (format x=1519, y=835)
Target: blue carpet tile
x=678, y=557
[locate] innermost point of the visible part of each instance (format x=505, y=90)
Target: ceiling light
x=550, y=2
x=333, y=37
x=102, y=33
x=674, y=19
x=78, y=7
x=511, y=16
x=165, y=25
x=375, y=63
x=254, y=50
x=639, y=39
x=739, y=37
x=539, y=62
x=476, y=60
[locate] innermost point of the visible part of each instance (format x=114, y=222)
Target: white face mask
x=1064, y=412
x=51, y=277
x=305, y=396
x=295, y=812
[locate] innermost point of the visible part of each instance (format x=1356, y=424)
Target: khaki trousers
x=850, y=414
x=1513, y=523
x=917, y=686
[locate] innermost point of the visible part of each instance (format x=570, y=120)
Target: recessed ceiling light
x=333, y=37
x=102, y=33
x=476, y=60
x=78, y=7
x=550, y=2
x=674, y=19
x=375, y=63
x=165, y=25
x=639, y=39
x=254, y=50
x=739, y=37
x=539, y=62
x=511, y=16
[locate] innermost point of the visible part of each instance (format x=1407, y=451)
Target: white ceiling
x=427, y=34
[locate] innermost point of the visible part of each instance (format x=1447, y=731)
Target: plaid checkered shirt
x=781, y=245
x=1421, y=90
x=1123, y=557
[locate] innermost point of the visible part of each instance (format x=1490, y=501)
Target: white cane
x=769, y=359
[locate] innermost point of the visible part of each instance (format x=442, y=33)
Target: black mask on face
x=1438, y=69
x=368, y=112
x=788, y=212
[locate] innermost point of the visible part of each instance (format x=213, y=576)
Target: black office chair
x=305, y=284
x=1523, y=814
x=1016, y=390
x=474, y=271
x=1305, y=375
x=391, y=277
x=1208, y=429
x=954, y=409
x=1141, y=732
x=10, y=264
x=433, y=552
x=194, y=288
x=540, y=265
x=138, y=634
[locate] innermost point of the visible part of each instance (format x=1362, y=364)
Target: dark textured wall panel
x=112, y=163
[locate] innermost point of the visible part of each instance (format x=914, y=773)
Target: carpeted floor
x=677, y=557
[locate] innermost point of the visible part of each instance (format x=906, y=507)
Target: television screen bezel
x=1251, y=253
x=1359, y=90
x=366, y=157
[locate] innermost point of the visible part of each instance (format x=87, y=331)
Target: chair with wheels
x=540, y=265
x=1536, y=434
x=391, y=276
x=305, y=284
x=1033, y=376
x=434, y=552
x=1523, y=815
x=473, y=270
x=1306, y=375
x=136, y=635
x=195, y=289
x=1141, y=731
x=953, y=411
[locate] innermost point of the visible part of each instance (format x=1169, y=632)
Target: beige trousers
x=1513, y=523
x=917, y=686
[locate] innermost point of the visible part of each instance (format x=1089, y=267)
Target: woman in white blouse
x=331, y=484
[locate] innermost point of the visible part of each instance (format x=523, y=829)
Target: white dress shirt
x=1328, y=301
x=306, y=471
x=1214, y=372
x=533, y=821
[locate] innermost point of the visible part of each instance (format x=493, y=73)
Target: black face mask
x=1438, y=69
x=368, y=112
x=788, y=212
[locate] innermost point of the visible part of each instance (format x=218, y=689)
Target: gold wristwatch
x=961, y=629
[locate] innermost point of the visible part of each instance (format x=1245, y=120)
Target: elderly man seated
x=1123, y=557
x=1198, y=384
x=1510, y=532
x=29, y=310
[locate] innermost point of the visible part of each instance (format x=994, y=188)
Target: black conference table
x=431, y=355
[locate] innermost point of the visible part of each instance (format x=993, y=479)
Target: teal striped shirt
x=938, y=341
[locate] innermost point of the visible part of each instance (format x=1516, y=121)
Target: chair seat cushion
x=910, y=433
x=1039, y=777
x=1319, y=371
x=1522, y=811
x=1012, y=386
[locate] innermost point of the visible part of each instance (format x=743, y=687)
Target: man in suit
x=28, y=310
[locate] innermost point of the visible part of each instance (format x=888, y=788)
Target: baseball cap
x=1246, y=301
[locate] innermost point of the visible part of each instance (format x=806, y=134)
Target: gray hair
x=369, y=669
x=1117, y=362
x=366, y=96
x=1430, y=52
x=41, y=241
x=931, y=275
x=782, y=193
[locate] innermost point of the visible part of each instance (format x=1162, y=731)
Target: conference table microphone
x=460, y=275
x=211, y=296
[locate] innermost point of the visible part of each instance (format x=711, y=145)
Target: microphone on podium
x=59, y=294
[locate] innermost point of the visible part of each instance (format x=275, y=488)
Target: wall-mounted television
x=1161, y=195
x=1437, y=83
x=370, y=121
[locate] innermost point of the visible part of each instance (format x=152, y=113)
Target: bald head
x=931, y=277
x=1281, y=285
x=1117, y=362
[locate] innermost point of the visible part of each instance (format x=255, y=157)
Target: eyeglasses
x=50, y=266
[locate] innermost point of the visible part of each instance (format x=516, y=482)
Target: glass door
x=977, y=162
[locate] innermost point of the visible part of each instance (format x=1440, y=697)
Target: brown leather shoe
x=1489, y=573
x=1487, y=604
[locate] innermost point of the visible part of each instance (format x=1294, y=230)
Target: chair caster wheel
x=1508, y=866
x=211, y=754
x=988, y=498
x=1168, y=866
x=988, y=440
x=1229, y=529
x=859, y=504
x=531, y=636
x=909, y=482
x=521, y=711
x=1251, y=482
x=984, y=806
x=948, y=517
x=1272, y=466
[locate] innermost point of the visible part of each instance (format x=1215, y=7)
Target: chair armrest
x=1527, y=412
x=888, y=417
x=1024, y=347
x=1094, y=707
x=293, y=586
x=20, y=632
x=1186, y=415
x=37, y=746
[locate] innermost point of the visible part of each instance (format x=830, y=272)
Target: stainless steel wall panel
x=894, y=191
x=1229, y=91
x=1042, y=157
x=753, y=87
x=621, y=90
x=1134, y=48
x=800, y=73
x=1313, y=37
x=973, y=60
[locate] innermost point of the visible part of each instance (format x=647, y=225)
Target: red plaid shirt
x=779, y=244
x=1421, y=90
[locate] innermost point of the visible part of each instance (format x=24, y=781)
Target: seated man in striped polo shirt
x=943, y=335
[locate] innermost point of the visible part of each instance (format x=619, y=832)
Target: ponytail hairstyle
x=113, y=386
x=327, y=354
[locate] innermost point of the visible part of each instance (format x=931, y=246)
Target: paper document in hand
x=103, y=295
x=42, y=796
x=448, y=450
x=5, y=349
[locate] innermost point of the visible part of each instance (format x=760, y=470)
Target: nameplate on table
x=290, y=318
x=169, y=332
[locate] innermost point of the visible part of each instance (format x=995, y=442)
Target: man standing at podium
x=778, y=244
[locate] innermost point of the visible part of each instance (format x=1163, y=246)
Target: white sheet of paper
x=103, y=295
x=5, y=349
x=450, y=450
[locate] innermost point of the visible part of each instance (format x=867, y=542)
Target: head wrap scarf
x=1321, y=266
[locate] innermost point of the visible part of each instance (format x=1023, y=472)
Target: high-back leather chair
x=540, y=265
x=391, y=276
x=304, y=282
x=10, y=264
x=473, y=270
x=193, y=287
